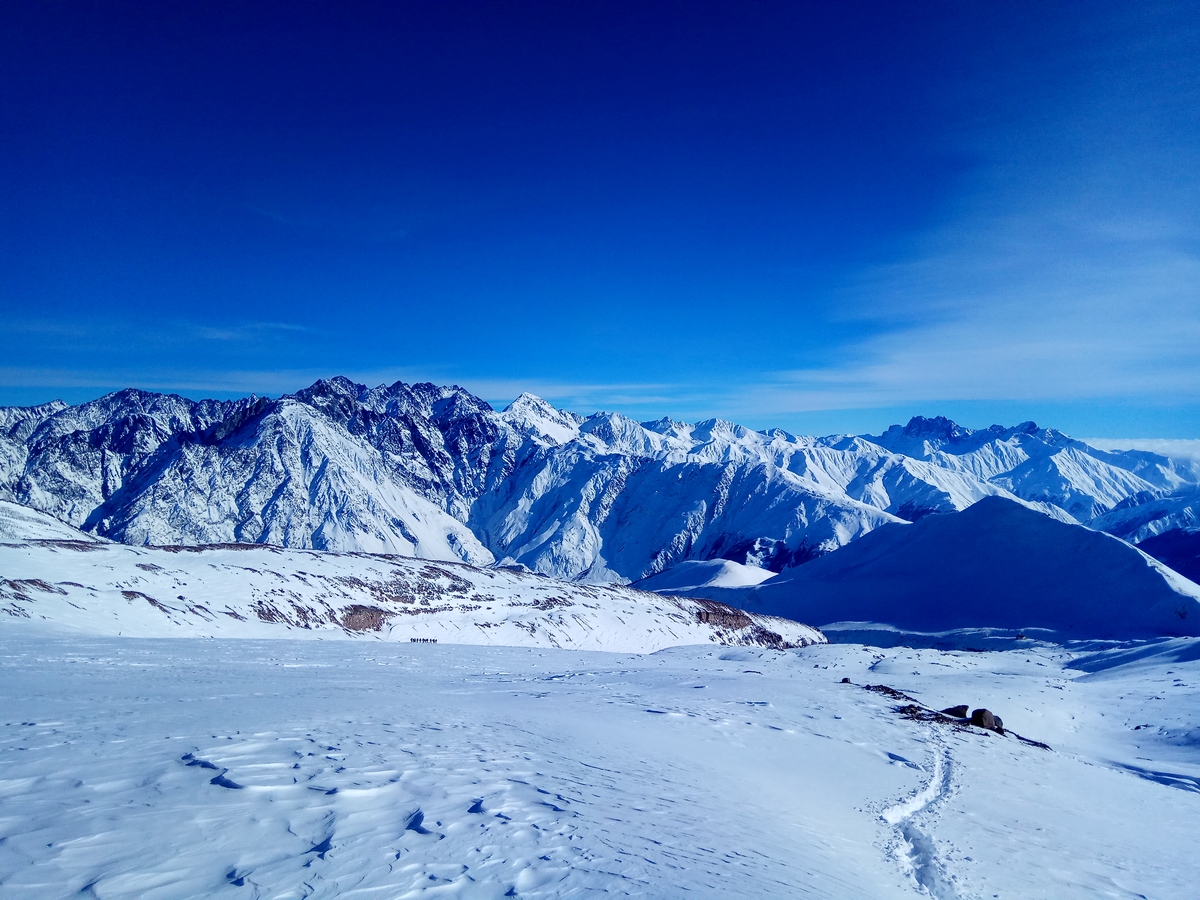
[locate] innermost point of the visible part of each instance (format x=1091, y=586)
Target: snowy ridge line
x=437, y=473
x=252, y=591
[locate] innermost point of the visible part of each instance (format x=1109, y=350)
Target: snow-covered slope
x=98, y=587
x=19, y=524
x=997, y=564
x=601, y=514
x=1178, y=549
x=435, y=472
x=1143, y=516
x=692, y=574
x=291, y=478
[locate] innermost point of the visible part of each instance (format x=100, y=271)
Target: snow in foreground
x=276, y=768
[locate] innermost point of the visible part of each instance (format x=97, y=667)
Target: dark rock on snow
x=985, y=718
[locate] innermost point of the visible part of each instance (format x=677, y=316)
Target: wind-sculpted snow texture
x=84, y=584
x=158, y=770
x=436, y=473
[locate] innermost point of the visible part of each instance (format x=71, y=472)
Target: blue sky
x=823, y=217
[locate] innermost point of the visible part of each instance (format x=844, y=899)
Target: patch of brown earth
x=364, y=618
x=136, y=595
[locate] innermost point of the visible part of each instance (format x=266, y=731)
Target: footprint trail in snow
x=163, y=769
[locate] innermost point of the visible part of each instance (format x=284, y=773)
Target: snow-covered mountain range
x=437, y=473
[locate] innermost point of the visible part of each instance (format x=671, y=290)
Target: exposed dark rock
x=713, y=613
x=985, y=718
x=959, y=712
x=889, y=692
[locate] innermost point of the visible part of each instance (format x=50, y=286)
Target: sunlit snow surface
x=277, y=768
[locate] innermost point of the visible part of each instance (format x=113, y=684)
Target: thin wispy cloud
x=199, y=382
x=1009, y=216
x=246, y=331
x=1062, y=322
x=1176, y=449
x=1068, y=268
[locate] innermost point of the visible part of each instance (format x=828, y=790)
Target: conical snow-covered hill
x=437, y=473
x=997, y=564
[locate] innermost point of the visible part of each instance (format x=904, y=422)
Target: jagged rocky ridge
x=436, y=472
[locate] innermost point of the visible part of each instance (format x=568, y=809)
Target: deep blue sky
x=820, y=216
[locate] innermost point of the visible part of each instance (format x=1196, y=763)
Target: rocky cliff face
x=436, y=472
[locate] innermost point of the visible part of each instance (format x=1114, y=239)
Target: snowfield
x=693, y=574
x=98, y=587
x=257, y=722
x=285, y=769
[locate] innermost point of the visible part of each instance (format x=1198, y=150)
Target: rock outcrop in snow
x=436, y=473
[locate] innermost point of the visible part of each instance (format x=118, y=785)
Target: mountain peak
x=528, y=401
x=938, y=426
x=665, y=425
x=338, y=385
x=531, y=414
x=434, y=470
